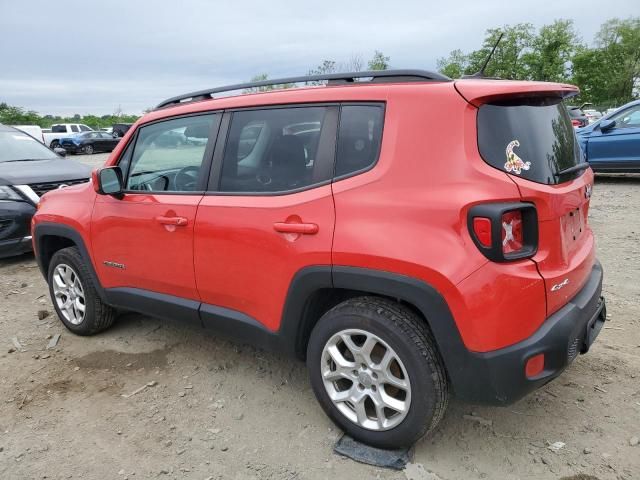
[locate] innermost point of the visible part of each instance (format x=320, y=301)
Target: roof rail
x=377, y=76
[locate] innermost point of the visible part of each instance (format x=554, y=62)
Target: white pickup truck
x=61, y=130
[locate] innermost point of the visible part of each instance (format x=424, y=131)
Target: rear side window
x=273, y=150
x=529, y=138
x=74, y=128
x=58, y=129
x=359, y=138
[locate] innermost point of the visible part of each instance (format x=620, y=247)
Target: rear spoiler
x=479, y=91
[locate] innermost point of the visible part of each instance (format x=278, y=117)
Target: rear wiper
x=576, y=168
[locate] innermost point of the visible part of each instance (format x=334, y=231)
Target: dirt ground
x=215, y=409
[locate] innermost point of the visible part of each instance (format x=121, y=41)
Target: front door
x=619, y=147
x=269, y=212
x=144, y=240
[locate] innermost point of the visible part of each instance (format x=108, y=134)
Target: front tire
x=376, y=372
x=74, y=295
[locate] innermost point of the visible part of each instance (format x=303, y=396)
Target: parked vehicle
x=578, y=117
x=28, y=169
x=120, y=129
x=612, y=145
x=89, y=143
x=592, y=115
x=63, y=130
x=34, y=130
x=409, y=236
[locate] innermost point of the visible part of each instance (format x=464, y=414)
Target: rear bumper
x=15, y=221
x=498, y=377
x=71, y=148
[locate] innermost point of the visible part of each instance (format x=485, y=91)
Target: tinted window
x=84, y=128
x=74, y=128
x=272, y=150
x=630, y=118
x=58, y=129
x=359, y=138
x=168, y=156
x=533, y=139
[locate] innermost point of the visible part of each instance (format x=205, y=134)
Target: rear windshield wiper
x=576, y=168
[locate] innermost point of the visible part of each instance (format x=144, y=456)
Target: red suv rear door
x=269, y=211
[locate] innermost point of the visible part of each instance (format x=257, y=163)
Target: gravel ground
x=215, y=409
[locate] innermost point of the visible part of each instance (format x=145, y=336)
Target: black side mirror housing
x=60, y=151
x=606, y=125
x=108, y=181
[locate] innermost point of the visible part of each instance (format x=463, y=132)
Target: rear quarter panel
x=408, y=215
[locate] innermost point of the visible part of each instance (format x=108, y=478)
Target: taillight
x=512, y=235
x=504, y=231
x=482, y=229
x=575, y=123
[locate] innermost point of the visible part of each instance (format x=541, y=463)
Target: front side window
x=84, y=128
x=630, y=118
x=168, y=156
x=359, y=138
x=273, y=150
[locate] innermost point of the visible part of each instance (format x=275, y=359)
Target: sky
x=93, y=57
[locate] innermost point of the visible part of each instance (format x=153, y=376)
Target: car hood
x=42, y=171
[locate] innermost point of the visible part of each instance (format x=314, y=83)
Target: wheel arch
x=315, y=290
x=50, y=238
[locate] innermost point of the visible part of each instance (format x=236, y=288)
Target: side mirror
x=60, y=151
x=606, y=125
x=108, y=181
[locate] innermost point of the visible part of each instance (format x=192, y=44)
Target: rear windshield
x=531, y=138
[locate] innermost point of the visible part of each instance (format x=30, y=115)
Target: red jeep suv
x=408, y=235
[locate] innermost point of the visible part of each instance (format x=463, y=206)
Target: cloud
x=89, y=57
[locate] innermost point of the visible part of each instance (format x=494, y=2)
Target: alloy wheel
x=69, y=294
x=366, y=379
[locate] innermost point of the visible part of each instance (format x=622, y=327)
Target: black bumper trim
x=498, y=377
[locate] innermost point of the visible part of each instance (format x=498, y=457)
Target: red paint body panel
x=157, y=257
x=566, y=249
x=243, y=263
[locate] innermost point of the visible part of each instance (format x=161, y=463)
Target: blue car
x=612, y=144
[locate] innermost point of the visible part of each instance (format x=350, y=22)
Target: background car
x=592, y=115
x=612, y=144
x=578, y=118
x=34, y=130
x=28, y=170
x=120, y=129
x=89, y=142
x=60, y=130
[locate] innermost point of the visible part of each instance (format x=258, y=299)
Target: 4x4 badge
x=514, y=163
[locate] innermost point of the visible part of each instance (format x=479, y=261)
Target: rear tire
x=388, y=406
x=88, y=149
x=74, y=295
x=54, y=144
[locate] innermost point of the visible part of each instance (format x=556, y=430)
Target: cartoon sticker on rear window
x=514, y=163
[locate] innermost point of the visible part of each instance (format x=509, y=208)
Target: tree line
x=607, y=71
x=10, y=115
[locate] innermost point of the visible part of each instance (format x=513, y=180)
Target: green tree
x=552, y=51
x=508, y=61
x=606, y=73
x=379, y=61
